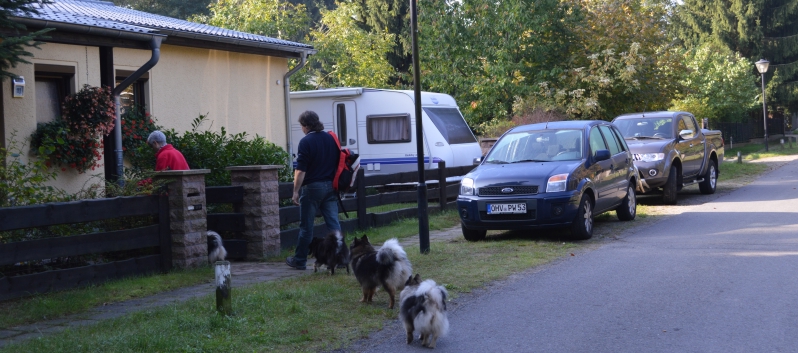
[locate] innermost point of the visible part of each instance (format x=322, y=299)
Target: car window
x=610, y=139
x=682, y=124
x=688, y=123
x=645, y=127
x=596, y=141
x=620, y=139
x=540, y=145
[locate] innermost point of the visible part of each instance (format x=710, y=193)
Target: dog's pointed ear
x=409, y=281
x=366, y=238
x=417, y=278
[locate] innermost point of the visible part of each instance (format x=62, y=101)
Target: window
x=451, y=125
x=610, y=138
x=340, y=119
x=620, y=139
x=388, y=128
x=596, y=141
x=688, y=124
x=52, y=83
x=134, y=95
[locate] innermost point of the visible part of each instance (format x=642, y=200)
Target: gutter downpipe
x=155, y=45
x=287, y=88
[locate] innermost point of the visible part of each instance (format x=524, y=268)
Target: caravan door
x=345, y=124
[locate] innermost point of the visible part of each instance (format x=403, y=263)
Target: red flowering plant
x=136, y=128
x=73, y=140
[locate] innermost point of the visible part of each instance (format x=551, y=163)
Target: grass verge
x=309, y=313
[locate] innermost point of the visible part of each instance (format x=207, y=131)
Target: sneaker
x=291, y=262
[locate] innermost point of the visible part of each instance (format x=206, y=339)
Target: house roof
x=106, y=15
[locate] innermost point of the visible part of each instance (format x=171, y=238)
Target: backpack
x=348, y=165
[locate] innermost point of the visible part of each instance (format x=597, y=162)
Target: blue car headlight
x=467, y=186
x=649, y=157
x=557, y=183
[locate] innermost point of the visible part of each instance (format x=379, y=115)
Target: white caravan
x=379, y=125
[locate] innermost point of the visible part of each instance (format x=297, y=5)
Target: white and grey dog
x=423, y=308
x=216, y=250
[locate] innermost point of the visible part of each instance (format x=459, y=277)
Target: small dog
x=216, y=250
x=387, y=267
x=331, y=251
x=423, y=307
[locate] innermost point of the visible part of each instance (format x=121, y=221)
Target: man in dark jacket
x=167, y=157
x=317, y=162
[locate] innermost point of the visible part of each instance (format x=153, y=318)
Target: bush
x=22, y=183
x=525, y=115
x=216, y=151
x=72, y=140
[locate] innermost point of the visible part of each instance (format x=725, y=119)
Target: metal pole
x=423, y=217
x=764, y=113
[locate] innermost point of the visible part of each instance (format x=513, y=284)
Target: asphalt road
x=720, y=277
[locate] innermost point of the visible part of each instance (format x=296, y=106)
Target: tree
x=623, y=61
x=181, y=9
x=487, y=53
x=390, y=16
x=13, y=37
x=271, y=18
x=754, y=28
x=719, y=84
x=348, y=55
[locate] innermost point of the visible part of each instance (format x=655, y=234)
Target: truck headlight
x=467, y=186
x=649, y=157
x=557, y=183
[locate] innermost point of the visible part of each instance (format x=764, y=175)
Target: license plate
x=504, y=208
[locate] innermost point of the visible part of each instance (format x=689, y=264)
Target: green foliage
x=273, y=18
x=136, y=127
x=487, y=53
x=181, y=9
x=24, y=182
x=390, y=16
x=72, y=140
x=348, y=55
x=14, y=37
x=718, y=85
x=215, y=151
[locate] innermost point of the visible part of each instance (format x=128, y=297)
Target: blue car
x=556, y=174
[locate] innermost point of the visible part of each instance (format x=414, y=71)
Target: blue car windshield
x=643, y=128
x=537, y=146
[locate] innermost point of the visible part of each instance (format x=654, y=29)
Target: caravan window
x=340, y=117
x=451, y=125
x=388, y=128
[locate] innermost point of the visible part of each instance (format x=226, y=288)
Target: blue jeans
x=314, y=196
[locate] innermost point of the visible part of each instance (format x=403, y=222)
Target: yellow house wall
x=237, y=91
x=20, y=113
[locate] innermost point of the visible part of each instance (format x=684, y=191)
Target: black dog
x=331, y=251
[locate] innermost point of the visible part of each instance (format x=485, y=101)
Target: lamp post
x=762, y=66
x=423, y=216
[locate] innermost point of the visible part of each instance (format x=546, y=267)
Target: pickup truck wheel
x=670, y=189
x=473, y=234
x=582, y=228
x=628, y=208
x=710, y=179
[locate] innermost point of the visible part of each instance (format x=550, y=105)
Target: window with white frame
x=393, y=128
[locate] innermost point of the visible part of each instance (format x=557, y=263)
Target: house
x=176, y=69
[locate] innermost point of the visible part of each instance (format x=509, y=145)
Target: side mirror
x=478, y=160
x=686, y=134
x=602, y=155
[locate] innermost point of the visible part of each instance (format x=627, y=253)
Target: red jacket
x=168, y=158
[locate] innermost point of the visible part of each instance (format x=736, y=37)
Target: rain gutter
x=287, y=88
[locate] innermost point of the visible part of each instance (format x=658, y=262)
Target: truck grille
x=517, y=190
x=529, y=215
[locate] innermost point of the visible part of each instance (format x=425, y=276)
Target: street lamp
x=762, y=66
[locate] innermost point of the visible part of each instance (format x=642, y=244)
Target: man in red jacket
x=167, y=157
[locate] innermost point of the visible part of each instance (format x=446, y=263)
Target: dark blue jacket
x=318, y=157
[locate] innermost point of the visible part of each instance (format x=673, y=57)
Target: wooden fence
x=228, y=222
x=155, y=235
x=357, y=206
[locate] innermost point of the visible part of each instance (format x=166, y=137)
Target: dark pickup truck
x=671, y=151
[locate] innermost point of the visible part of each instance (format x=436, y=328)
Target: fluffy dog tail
x=432, y=321
x=392, y=255
x=216, y=250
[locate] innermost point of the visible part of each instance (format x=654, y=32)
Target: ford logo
x=507, y=190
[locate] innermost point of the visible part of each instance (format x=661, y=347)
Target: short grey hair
x=157, y=136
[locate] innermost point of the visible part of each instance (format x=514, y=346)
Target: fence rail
x=151, y=236
x=228, y=222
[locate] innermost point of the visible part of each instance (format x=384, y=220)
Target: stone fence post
x=261, y=208
x=187, y=216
